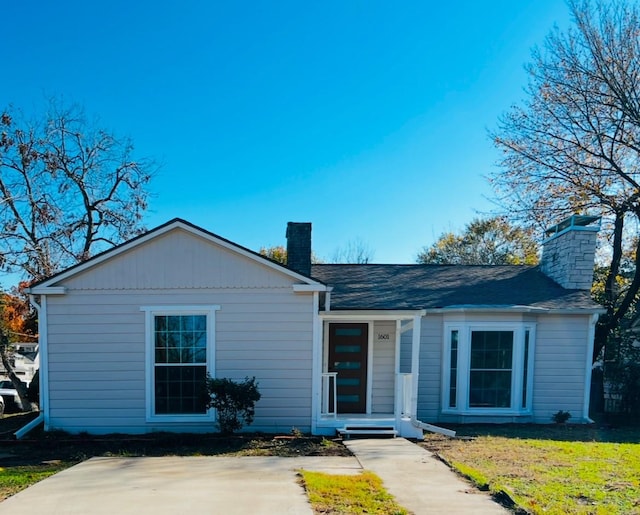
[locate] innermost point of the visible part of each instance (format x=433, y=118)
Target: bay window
x=487, y=368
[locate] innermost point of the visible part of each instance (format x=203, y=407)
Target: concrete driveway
x=176, y=485
x=245, y=485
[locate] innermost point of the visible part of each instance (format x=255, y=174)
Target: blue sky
x=368, y=119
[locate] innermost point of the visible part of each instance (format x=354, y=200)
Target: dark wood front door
x=348, y=357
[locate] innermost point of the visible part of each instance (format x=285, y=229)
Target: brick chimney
x=568, y=255
x=299, y=247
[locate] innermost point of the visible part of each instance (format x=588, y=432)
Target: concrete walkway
x=419, y=481
x=243, y=485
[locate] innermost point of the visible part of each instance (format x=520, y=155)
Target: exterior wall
x=560, y=367
x=560, y=358
x=383, y=367
x=96, y=336
x=430, y=368
x=405, y=348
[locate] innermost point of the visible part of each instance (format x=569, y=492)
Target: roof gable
x=172, y=247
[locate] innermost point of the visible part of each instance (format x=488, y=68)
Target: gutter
x=20, y=433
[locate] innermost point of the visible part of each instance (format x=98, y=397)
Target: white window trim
x=152, y=311
x=464, y=356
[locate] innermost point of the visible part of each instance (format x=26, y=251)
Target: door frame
x=369, y=371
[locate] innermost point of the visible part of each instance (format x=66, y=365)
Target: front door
x=348, y=358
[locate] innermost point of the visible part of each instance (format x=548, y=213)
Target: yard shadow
x=58, y=446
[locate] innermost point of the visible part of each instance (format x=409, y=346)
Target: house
x=127, y=337
x=25, y=362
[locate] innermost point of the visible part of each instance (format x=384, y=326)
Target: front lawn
x=550, y=469
x=349, y=494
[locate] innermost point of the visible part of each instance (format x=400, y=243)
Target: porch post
x=415, y=364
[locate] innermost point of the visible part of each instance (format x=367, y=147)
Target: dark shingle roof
x=445, y=286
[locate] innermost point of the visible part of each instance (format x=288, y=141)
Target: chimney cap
x=574, y=221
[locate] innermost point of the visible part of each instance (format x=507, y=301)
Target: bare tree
x=67, y=190
x=354, y=252
x=573, y=146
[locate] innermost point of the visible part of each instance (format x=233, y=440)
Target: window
x=488, y=368
x=180, y=343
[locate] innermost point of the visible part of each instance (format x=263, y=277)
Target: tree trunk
x=27, y=405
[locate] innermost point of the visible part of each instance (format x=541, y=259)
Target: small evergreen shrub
x=233, y=401
x=560, y=417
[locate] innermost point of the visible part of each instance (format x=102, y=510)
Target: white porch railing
x=405, y=390
x=329, y=395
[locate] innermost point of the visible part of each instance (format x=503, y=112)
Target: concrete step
x=372, y=431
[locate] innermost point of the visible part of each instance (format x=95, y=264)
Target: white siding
x=384, y=354
x=430, y=368
x=176, y=260
x=406, y=336
x=97, y=335
x=560, y=366
x=560, y=359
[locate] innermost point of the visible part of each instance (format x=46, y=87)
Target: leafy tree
x=277, y=253
x=572, y=146
x=67, y=190
x=491, y=241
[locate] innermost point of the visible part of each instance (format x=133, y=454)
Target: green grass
x=15, y=479
x=551, y=475
x=352, y=494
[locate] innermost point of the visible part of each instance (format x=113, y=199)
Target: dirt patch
x=53, y=446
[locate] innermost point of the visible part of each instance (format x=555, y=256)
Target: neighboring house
x=25, y=362
x=127, y=337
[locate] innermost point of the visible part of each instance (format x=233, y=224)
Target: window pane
x=178, y=389
x=347, y=348
x=161, y=323
x=344, y=331
x=490, y=389
x=173, y=323
x=525, y=370
x=490, y=371
x=453, y=370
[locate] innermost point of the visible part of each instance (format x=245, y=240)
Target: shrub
x=233, y=401
x=560, y=417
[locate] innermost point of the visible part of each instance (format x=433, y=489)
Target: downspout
x=20, y=433
x=43, y=369
x=589, y=367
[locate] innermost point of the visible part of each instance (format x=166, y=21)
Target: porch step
x=349, y=431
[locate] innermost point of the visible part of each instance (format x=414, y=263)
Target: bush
x=560, y=417
x=233, y=401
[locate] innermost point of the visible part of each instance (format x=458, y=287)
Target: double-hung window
x=488, y=368
x=180, y=352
